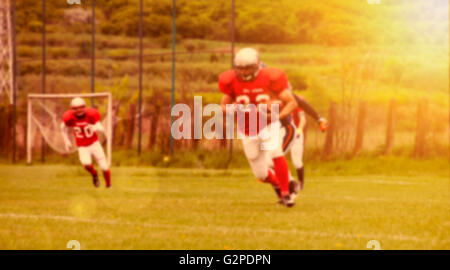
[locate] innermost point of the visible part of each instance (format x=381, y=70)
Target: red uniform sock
x=91, y=169
x=272, y=179
x=107, y=176
x=282, y=173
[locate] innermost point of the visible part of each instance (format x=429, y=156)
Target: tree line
x=327, y=22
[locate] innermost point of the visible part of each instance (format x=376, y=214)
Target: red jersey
x=84, y=135
x=268, y=82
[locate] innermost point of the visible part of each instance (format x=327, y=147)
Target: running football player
x=250, y=84
x=85, y=123
x=297, y=147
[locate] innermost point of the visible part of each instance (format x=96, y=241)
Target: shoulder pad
x=93, y=114
x=227, y=77
x=91, y=111
x=67, y=115
x=68, y=118
x=273, y=73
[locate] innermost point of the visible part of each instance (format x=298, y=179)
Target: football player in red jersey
x=85, y=123
x=250, y=84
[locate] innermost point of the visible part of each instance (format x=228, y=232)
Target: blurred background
x=377, y=69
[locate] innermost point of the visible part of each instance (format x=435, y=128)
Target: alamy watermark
x=251, y=121
x=73, y=245
x=373, y=244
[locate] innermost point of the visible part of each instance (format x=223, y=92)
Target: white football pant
x=297, y=149
x=266, y=145
x=288, y=137
x=294, y=145
x=96, y=150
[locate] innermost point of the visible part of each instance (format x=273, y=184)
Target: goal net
x=44, y=116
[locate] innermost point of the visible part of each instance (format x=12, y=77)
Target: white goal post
x=50, y=129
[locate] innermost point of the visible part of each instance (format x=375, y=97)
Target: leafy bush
x=35, y=26
x=56, y=40
x=60, y=52
x=72, y=69
x=84, y=48
x=165, y=40
x=27, y=51
x=30, y=39
x=29, y=68
x=190, y=46
x=118, y=54
x=201, y=45
x=213, y=58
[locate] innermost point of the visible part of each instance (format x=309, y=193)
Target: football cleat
x=95, y=181
x=288, y=201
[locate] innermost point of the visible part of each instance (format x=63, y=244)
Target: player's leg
x=99, y=155
x=271, y=142
x=86, y=160
x=287, y=142
x=289, y=135
x=257, y=160
x=297, y=158
x=276, y=188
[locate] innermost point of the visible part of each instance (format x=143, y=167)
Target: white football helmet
x=246, y=63
x=77, y=102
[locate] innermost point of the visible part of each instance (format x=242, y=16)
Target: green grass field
x=43, y=207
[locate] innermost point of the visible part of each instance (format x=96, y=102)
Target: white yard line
x=379, y=237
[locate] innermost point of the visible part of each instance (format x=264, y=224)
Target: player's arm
x=290, y=103
x=280, y=85
x=226, y=89
x=302, y=103
x=96, y=125
x=226, y=99
x=65, y=135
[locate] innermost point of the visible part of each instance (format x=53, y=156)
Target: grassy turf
x=43, y=207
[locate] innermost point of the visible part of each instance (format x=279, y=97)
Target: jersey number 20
x=88, y=132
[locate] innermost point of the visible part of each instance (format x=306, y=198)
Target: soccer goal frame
x=109, y=126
